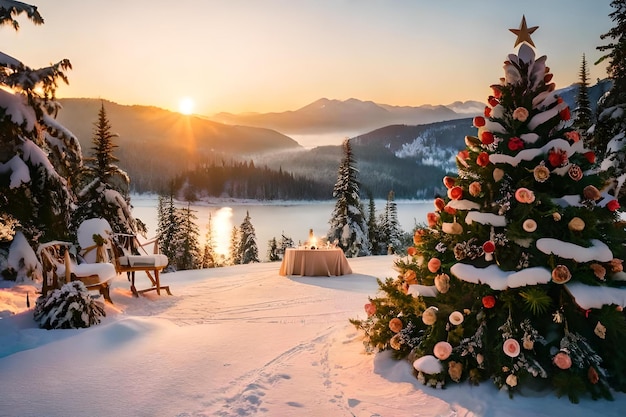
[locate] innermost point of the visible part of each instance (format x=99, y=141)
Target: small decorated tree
x=516, y=277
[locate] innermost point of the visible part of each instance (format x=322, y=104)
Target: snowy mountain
x=327, y=115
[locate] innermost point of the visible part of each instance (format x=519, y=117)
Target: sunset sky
x=278, y=55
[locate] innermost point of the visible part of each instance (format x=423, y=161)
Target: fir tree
x=41, y=200
x=168, y=229
x=583, y=114
x=285, y=242
x=105, y=192
x=234, y=254
x=248, y=251
x=373, y=232
x=190, y=256
x=272, y=250
x=516, y=275
x=348, y=223
x=37, y=154
x=209, y=259
x=609, y=132
x=391, y=234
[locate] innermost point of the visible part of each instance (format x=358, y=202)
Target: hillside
x=155, y=143
x=411, y=159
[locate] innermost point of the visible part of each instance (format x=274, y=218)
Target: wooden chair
x=130, y=256
x=60, y=266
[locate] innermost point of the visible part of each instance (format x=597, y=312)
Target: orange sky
x=277, y=55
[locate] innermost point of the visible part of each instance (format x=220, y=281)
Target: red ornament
x=547, y=78
x=486, y=138
x=439, y=203
x=565, y=114
x=411, y=251
x=483, y=159
x=487, y=111
x=489, y=301
x=497, y=91
x=450, y=210
x=557, y=157
x=515, y=144
x=448, y=182
x=493, y=102
x=613, y=205
x=489, y=246
x=455, y=193
x=479, y=121
x=591, y=157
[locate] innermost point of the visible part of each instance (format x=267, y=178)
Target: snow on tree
x=169, y=225
x=248, y=251
x=610, y=130
x=37, y=154
x=348, y=224
x=69, y=307
x=517, y=276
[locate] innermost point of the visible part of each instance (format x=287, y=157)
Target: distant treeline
x=245, y=180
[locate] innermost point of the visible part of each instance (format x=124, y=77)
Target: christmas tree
x=516, y=276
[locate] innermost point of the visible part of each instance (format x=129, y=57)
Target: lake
x=271, y=219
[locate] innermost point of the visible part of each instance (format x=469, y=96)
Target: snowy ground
x=235, y=341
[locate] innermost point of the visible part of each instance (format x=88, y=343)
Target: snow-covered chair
x=60, y=262
x=130, y=256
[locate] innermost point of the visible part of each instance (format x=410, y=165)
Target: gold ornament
x=576, y=224
x=600, y=330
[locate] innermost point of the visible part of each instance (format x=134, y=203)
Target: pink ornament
x=370, y=309
x=524, y=195
x=562, y=360
x=434, y=264
x=442, y=350
x=511, y=348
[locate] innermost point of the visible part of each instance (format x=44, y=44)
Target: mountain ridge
x=329, y=115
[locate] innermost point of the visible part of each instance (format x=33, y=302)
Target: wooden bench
x=126, y=257
x=60, y=266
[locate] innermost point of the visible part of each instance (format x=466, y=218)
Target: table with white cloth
x=314, y=262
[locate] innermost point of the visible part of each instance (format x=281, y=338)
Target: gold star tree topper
x=523, y=33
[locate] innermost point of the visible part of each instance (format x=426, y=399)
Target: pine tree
x=272, y=250
x=583, y=114
x=348, y=223
x=234, y=254
x=609, y=132
x=391, y=234
x=373, y=232
x=105, y=192
x=516, y=277
x=190, y=256
x=37, y=154
x=248, y=251
x=209, y=260
x=285, y=242
x=168, y=229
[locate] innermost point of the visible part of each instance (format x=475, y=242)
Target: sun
x=185, y=105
